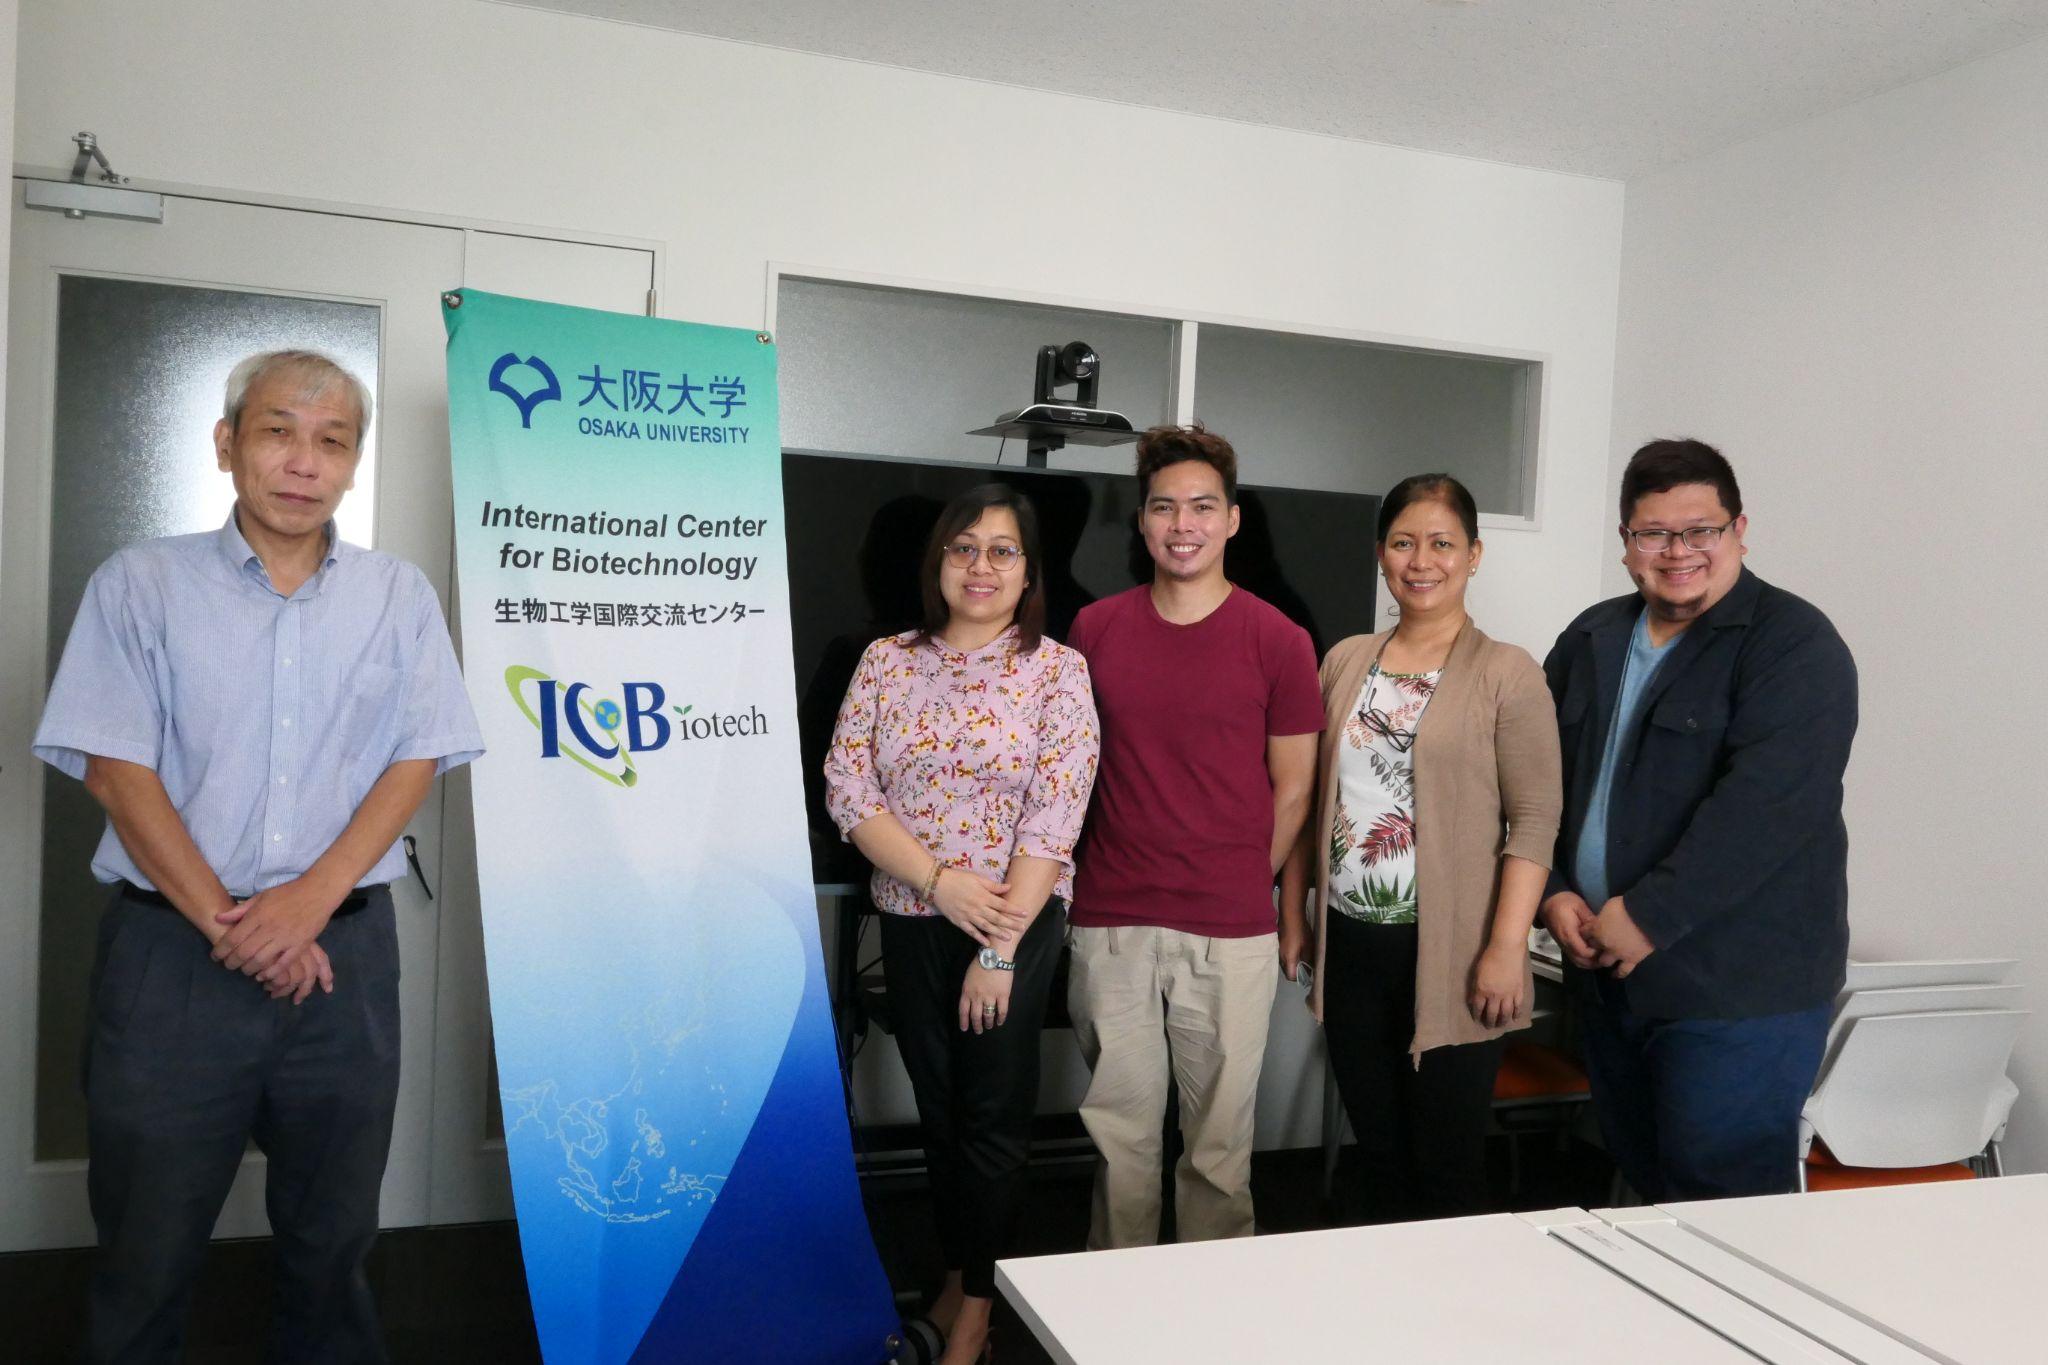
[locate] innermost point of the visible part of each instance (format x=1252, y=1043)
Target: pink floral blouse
x=983, y=757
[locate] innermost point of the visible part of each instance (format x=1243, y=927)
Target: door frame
x=336, y=208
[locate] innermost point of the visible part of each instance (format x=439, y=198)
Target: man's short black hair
x=1663, y=465
x=1166, y=445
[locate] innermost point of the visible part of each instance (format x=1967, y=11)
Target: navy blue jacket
x=1725, y=837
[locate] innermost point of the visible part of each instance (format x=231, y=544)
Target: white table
x=1954, y=1270
x=1944, y=1273
x=1494, y=1288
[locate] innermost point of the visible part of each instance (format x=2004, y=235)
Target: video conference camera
x=1050, y=421
x=1075, y=362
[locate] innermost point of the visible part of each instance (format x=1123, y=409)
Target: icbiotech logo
x=548, y=391
x=603, y=735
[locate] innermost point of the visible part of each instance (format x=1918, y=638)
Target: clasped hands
x=270, y=937
x=1609, y=939
x=977, y=907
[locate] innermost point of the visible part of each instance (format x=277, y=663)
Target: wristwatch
x=991, y=962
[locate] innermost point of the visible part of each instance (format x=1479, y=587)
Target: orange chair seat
x=1823, y=1172
x=1532, y=1071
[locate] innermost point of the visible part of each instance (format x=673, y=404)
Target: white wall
x=736, y=156
x=1856, y=311
x=10, y=15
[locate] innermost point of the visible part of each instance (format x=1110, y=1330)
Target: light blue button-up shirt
x=267, y=718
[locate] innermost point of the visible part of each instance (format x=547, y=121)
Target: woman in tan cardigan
x=1435, y=817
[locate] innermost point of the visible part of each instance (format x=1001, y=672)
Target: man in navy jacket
x=1701, y=884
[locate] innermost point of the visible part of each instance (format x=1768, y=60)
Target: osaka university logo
x=549, y=390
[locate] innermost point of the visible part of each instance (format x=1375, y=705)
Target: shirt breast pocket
x=1684, y=736
x=372, y=705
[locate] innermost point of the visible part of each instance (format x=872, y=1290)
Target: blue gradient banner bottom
x=680, y=1156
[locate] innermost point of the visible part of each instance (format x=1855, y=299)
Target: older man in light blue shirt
x=260, y=709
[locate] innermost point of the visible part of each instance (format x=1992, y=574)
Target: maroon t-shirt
x=1180, y=832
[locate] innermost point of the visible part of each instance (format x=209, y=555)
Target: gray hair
x=315, y=374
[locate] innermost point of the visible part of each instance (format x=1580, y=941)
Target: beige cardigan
x=1487, y=783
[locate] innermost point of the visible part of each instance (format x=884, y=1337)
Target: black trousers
x=1421, y=1130
x=187, y=1062
x=976, y=1092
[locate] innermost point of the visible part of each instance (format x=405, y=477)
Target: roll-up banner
x=673, y=1114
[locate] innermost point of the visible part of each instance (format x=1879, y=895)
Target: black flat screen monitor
x=857, y=527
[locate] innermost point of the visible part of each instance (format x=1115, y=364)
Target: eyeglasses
x=1692, y=537
x=1382, y=724
x=1001, y=558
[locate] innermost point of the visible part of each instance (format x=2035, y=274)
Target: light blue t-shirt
x=1589, y=865
x=268, y=718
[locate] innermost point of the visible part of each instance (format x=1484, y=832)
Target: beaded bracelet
x=931, y=881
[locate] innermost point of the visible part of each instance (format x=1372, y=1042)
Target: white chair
x=1976, y=971
x=1862, y=1003
x=1915, y=1090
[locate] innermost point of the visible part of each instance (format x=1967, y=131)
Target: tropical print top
x=983, y=756
x=1372, y=839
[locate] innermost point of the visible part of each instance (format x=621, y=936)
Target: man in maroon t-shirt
x=1210, y=709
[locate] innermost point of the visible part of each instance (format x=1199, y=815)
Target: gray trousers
x=186, y=1064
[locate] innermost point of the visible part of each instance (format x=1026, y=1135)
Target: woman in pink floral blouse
x=961, y=766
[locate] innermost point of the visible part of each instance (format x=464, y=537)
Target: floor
x=455, y=1295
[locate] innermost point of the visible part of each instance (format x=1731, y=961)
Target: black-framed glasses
x=1656, y=542
x=1001, y=558
x=1382, y=724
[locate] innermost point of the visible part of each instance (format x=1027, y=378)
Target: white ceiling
x=1601, y=87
